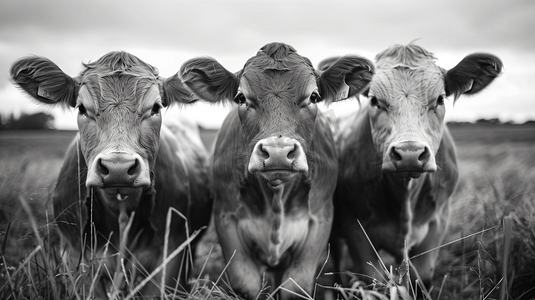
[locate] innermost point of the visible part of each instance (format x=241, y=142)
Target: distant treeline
x=43, y=120
x=493, y=121
x=38, y=120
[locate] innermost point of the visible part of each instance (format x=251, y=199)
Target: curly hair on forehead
x=277, y=56
x=410, y=55
x=277, y=51
x=120, y=62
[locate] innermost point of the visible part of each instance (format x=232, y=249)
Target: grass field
x=497, y=166
x=497, y=180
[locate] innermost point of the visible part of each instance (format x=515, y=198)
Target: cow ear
x=472, y=74
x=44, y=81
x=326, y=63
x=345, y=78
x=175, y=91
x=209, y=80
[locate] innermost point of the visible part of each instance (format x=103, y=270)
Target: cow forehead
x=407, y=70
x=118, y=72
x=424, y=84
x=281, y=84
x=277, y=56
x=119, y=62
x=277, y=67
x=130, y=91
x=411, y=56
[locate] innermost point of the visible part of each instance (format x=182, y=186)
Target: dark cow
x=274, y=165
x=123, y=161
x=398, y=166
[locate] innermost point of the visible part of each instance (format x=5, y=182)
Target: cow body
x=398, y=164
x=390, y=208
x=274, y=165
x=123, y=166
x=268, y=229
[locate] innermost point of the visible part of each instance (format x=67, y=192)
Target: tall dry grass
x=29, y=257
x=497, y=181
x=480, y=261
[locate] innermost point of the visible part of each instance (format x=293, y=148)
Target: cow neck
x=399, y=186
x=108, y=220
x=275, y=197
x=279, y=199
x=399, y=189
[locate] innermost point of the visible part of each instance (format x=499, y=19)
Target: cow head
x=118, y=98
x=277, y=92
x=407, y=103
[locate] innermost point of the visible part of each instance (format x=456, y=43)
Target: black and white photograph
x=330, y=150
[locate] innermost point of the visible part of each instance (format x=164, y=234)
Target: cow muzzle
x=118, y=173
x=409, y=159
x=278, y=157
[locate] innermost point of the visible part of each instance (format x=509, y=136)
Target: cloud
x=239, y=26
x=166, y=33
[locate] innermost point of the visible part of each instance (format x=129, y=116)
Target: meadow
x=481, y=258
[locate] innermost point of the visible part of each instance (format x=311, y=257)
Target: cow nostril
x=264, y=154
x=101, y=168
x=395, y=155
x=134, y=169
x=292, y=153
x=424, y=156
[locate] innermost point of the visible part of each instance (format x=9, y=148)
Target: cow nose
x=118, y=168
x=411, y=156
x=278, y=153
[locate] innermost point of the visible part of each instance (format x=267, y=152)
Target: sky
x=167, y=33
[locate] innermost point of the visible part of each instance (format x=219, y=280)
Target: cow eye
x=315, y=97
x=82, y=110
x=156, y=108
x=440, y=100
x=374, y=102
x=240, y=98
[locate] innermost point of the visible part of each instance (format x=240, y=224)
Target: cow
x=123, y=166
x=274, y=165
x=398, y=165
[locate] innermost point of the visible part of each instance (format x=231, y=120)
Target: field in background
x=497, y=166
x=29, y=164
x=497, y=179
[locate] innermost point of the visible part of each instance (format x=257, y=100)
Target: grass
x=496, y=183
x=482, y=258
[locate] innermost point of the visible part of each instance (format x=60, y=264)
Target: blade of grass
x=34, y=226
x=125, y=223
x=9, y=279
x=463, y=261
x=95, y=277
x=221, y=275
x=4, y=241
x=374, y=250
x=14, y=275
x=161, y=266
x=507, y=233
x=204, y=265
x=442, y=286
x=455, y=241
x=305, y=295
x=419, y=283
x=188, y=255
x=493, y=288
x=321, y=269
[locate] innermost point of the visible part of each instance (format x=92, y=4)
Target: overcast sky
x=167, y=33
